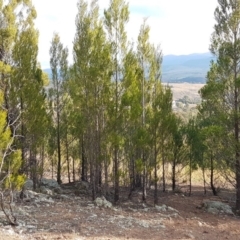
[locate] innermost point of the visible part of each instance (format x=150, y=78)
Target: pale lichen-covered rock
x=162, y=208
x=37, y=197
x=102, y=202
x=216, y=207
x=45, y=190
x=49, y=183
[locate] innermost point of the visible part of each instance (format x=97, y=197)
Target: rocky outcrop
x=102, y=202
x=216, y=207
x=49, y=183
x=46, y=186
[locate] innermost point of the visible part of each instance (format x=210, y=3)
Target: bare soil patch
x=74, y=216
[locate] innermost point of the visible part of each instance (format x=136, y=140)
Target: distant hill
x=190, y=68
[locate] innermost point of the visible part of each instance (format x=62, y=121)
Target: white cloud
x=180, y=26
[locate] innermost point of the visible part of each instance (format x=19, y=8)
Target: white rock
x=161, y=208
x=51, y=183
x=45, y=190
x=172, y=209
x=217, y=207
x=102, y=202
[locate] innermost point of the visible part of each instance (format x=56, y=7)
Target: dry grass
x=185, y=89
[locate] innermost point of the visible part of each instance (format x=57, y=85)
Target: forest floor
x=76, y=217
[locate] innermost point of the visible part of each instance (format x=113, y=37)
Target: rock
x=216, y=207
x=30, y=194
x=212, y=210
x=44, y=199
x=65, y=197
x=28, y=185
x=58, y=190
x=172, y=209
x=45, y=190
x=143, y=223
x=162, y=208
x=37, y=197
x=49, y=183
x=102, y=202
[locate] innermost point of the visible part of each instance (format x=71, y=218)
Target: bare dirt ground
x=76, y=217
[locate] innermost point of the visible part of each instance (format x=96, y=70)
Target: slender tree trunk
x=33, y=165
x=174, y=172
x=52, y=166
x=155, y=174
x=144, y=192
x=23, y=167
x=59, y=148
x=211, y=177
x=237, y=183
x=163, y=173
x=204, y=181
x=68, y=161
x=73, y=169
x=236, y=128
x=92, y=176
x=237, y=154
x=190, y=174
x=116, y=174
x=42, y=160
x=116, y=161
x=138, y=178
x=106, y=176
x=83, y=174
x=132, y=176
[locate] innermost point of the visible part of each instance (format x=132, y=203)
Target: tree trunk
x=204, y=181
x=238, y=185
x=155, y=174
x=144, y=192
x=68, y=161
x=73, y=169
x=237, y=155
x=174, y=173
x=116, y=174
x=144, y=185
x=163, y=172
x=190, y=174
x=59, y=149
x=211, y=177
x=42, y=160
x=83, y=174
x=52, y=166
x=106, y=176
x=163, y=163
x=92, y=177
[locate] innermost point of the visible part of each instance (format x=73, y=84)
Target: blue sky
x=180, y=26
